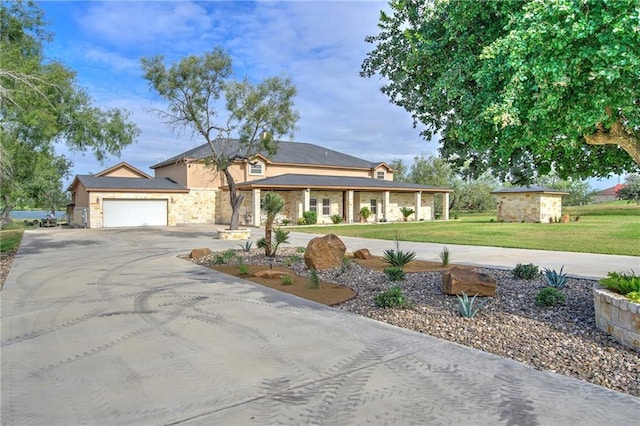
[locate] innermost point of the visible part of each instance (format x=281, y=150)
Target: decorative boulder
x=362, y=254
x=457, y=280
x=199, y=252
x=324, y=252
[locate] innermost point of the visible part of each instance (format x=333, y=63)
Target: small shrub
x=336, y=219
x=468, y=307
x=287, y=280
x=555, y=279
x=301, y=249
x=261, y=243
x=291, y=260
x=406, y=212
x=621, y=283
x=398, y=257
x=634, y=296
x=246, y=247
x=445, y=256
x=229, y=255
x=302, y=221
x=282, y=237
x=345, y=264
x=394, y=273
x=392, y=298
x=218, y=260
x=244, y=269
x=310, y=218
x=527, y=271
x=550, y=296
x=365, y=213
x=285, y=222
x=314, y=280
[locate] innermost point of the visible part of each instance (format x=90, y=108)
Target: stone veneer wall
x=617, y=316
x=528, y=207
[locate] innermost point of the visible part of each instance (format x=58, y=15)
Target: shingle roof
x=288, y=152
x=291, y=180
x=123, y=183
x=532, y=188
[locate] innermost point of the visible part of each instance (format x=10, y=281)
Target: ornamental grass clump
x=626, y=284
x=445, y=257
x=398, y=257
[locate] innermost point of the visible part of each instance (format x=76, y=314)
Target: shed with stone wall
x=529, y=204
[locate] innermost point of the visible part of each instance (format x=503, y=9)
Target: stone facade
x=529, y=207
x=617, y=316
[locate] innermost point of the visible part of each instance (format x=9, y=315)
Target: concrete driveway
x=110, y=327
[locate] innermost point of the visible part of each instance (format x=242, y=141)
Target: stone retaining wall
x=617, y=316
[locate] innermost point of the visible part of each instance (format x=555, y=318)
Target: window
x=313, y=205
x=374, y=206
x=255, y=169
x=326, y=207
x=380, y=174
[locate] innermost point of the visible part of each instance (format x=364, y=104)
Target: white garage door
x=117, y=213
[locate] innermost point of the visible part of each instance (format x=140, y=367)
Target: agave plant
x=467, y=307
x=398, y=257
x=555, y=279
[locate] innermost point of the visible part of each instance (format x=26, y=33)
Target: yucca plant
x=398, y=257
x=468, y=307
x=246, y=247
x=445, y=256
x=555, y=279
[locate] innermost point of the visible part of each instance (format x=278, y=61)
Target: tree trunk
x=617, y=135
x=235, y=200
x=268, y=228
x=6, y=211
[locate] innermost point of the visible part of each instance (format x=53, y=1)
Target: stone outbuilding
x=529, y=204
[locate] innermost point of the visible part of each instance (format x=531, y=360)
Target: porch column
x=306, y=197
x=349, y=207
x=418, y=203
x=256, y=207
x=445, y=206
x=385, y=205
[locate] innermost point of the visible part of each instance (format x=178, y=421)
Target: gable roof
x=532, y=188
x=300, y=181
x=123, y=165
x=611, y=191
x=122, y=184
x=288, y=153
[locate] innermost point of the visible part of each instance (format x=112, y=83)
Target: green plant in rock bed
x=622, y=283
x=291, y=260
x=345, y=264
x=287, y=280
x=468, y=307
x=225, y=257
x=314, y=280
x=336, y=219
x=527, y=271
x=246, y=247
x=398, y=257
x=392, y=298
x=550, y=296
x=301, y=249
x=394, y=273
x=554, y=279
x=282, y=237
x=243, y=269
x=445, y=256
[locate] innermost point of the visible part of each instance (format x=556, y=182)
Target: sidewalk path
x=106, y=327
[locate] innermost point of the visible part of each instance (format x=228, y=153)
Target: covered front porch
x=341, y=197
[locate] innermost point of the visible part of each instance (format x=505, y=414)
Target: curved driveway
x=110, y=327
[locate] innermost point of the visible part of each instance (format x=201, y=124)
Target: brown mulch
x=328, y=293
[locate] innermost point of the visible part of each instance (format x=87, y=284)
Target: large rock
x=457, y=280
x=362, y=254
x=325, y=252
x=199, y=252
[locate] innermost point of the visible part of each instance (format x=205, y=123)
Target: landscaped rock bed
x=561, y=339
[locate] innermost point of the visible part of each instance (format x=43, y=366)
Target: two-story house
x=185, y=189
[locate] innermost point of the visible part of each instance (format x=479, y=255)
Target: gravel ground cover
x=560, y=339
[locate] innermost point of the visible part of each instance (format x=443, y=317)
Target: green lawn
x=608, y=228
x=10, y=237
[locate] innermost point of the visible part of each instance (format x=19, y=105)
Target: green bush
x=294, y=258
x=310, y=218
x=244, y=269
x=527, y=271
x=550, y=296
x=392, y=298
x=394, y=273
x=302, y=221
x=287, y=280
x=336, y=219
x=634, y=296
x=621, y=283
x=365, y=213
x=314, y=280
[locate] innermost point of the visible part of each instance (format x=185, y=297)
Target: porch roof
x=291, y=181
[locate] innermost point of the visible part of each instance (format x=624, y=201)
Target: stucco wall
x=528, y=207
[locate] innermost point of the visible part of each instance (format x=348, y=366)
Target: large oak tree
x=518, y=87
x=256, y=113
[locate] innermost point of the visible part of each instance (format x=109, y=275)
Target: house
x=609, y=194
x=529, y=204
x=309, y=177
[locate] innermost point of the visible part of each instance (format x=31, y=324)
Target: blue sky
x=319, y=44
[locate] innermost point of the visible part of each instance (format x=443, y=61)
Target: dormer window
x=380, y=174
x=255, y=168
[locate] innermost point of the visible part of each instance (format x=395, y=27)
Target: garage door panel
x=120, y=213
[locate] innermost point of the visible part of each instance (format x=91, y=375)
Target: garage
x=120, y=213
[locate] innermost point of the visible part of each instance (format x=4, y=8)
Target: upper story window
x=380, y=174
x=256, y=169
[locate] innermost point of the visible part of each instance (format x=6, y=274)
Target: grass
x=607, y=228
x=10, y=237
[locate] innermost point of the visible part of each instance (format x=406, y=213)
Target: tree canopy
x=257, y=114
x=41, y=104
x=518, y=87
